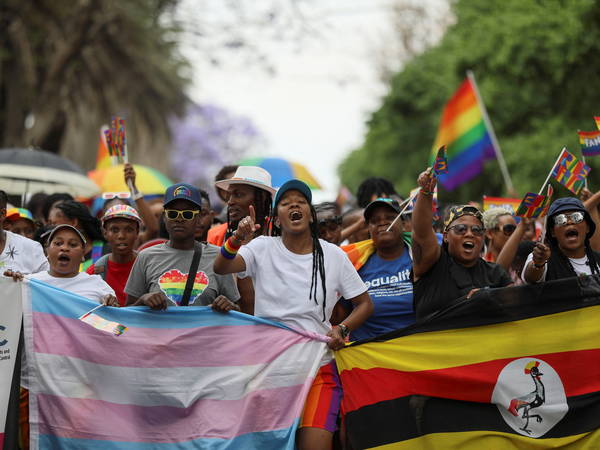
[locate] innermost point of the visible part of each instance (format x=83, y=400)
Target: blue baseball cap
x=183, y=191
x=388, y=202
x=293, y=185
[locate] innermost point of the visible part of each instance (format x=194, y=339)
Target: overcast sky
x=325, y=80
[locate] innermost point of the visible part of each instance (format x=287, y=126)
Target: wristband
x=229, y=249
x=344, y=330
x=539, y=266
x=424, y=192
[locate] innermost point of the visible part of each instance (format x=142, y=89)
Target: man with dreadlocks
x=567, y=251
x=250, y=186
x=298, y=279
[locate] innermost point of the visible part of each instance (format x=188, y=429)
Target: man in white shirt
x=17, y=253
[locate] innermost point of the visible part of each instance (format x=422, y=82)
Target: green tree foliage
x=66, y=67
x=537, y=65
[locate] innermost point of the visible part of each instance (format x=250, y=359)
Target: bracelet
x=344, y=330
x=424, y=192
x=229, y=249
x=540, y=266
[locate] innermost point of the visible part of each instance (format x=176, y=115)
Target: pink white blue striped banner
x=184, y=378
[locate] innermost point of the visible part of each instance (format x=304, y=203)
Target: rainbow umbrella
x=148, y=180
x=282, y=170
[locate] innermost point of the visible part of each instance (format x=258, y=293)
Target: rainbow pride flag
x=510, y=204
x=103, y=160
x=570, y=172
x=590, y=142
x=463, y=131
x=597, y=120
x=184, y=378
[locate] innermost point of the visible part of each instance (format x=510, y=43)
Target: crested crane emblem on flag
x=530, y=396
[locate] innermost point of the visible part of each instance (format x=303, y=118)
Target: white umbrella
x=25, y=171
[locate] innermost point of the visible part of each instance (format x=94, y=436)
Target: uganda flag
x=514, y=368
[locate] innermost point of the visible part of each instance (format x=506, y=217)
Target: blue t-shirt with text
x=390, y=288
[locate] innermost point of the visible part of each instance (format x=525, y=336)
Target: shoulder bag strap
x=185, y=300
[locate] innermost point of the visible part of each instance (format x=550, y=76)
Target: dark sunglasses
x=186, y=214
x=332, y=223
x=562, y=219
x=461, y=229
x=507, y=229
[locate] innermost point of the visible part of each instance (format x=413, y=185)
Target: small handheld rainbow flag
x=533, y=205
x=116, y=141
x=597, y=120
x=570, y=172
x=441, y=161
x=590, y=142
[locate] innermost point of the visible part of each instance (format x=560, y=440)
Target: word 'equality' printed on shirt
x=404, y=275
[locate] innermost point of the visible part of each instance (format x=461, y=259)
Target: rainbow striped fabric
x=597, y=120
x=510, y=204
x=590, y=142
x=570, y=172
x=463, y=131
x=185, y=378
x=535, y=205
x=103, y=160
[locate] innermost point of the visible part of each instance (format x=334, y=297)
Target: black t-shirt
x=447, y=281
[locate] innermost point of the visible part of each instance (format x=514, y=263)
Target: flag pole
x=551, y=170
x=495, y=144
x=585, y=184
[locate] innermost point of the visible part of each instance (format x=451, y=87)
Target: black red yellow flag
x=511, y=368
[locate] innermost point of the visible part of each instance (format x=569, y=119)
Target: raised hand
x=427, y=181
x=247, y=227
x=223, y=304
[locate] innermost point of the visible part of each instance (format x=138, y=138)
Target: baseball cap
x=18, y=213
x=389, y=202
x=293, y=185
x=121, y=212
x=183, y=191
x=62, y=226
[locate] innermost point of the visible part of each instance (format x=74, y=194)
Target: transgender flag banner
x=185, y=378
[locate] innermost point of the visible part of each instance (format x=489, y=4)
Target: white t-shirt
x=92, y=287
x=282, y=283
x=23, y=255
x=580, y=265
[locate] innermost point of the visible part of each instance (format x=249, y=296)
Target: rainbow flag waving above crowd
x=177, y=379
x=535, y=205
x=464, y=132
x=570, y=172
x=590, y=142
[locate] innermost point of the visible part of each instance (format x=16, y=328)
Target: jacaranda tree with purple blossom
x=205, y=139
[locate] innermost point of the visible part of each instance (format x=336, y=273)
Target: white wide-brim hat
x=250, y=175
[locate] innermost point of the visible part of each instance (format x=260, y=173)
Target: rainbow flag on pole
x=184, y=378
x=103, y=160
x=590, y=142
x=597, y=120
x=570, y=172
x=467, y=139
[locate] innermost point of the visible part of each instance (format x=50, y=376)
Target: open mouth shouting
x=468, y=246
x=295, y=216
x=64, y=259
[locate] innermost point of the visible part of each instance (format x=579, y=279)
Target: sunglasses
x=332, y=224
x=461, y=229
x=562, y=219
x=111, y=195
x=185, y=214
x=507, y=229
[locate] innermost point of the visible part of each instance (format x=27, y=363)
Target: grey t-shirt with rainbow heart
x=163, y=268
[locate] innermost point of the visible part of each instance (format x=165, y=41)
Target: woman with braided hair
x=298, y=279
x=566, y=251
